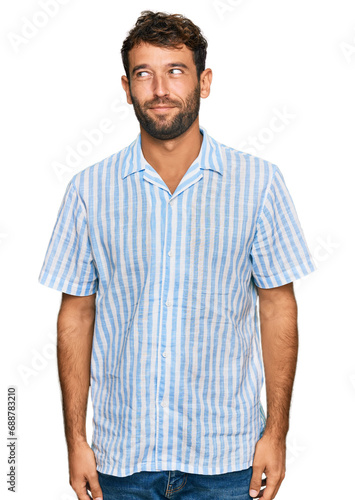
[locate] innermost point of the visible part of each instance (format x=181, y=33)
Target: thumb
x=255, y=483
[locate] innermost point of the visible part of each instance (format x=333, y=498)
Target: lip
x=162, y=108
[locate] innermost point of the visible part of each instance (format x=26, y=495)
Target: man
x=161, y=251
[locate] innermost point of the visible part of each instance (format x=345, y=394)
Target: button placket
x=169, y=301
x=164, y=358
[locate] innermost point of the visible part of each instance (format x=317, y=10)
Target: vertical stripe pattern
x=176, y=366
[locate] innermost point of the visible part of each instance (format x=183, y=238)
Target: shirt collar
x=209, y=157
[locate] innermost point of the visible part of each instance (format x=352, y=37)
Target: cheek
x=141, y=91
x=141, y=99
x=182, y=89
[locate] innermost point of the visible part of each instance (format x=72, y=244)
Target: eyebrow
x=169, y=65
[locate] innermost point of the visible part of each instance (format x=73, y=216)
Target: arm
x=279, y=339
x=75, y=326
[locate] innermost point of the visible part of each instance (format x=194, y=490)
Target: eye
x=140, y=72
x=176, y=69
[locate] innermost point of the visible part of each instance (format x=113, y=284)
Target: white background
x=63, y=78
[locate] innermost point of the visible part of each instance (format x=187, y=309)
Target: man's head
x=164, y=59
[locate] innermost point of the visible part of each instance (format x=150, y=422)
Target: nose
x=160, y=86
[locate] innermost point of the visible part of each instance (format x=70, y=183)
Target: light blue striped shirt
x=176, y=366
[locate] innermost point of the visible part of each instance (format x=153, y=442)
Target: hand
x=83, y=475
x=269, y=457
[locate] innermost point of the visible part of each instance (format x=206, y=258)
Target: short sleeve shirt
x=176, y=364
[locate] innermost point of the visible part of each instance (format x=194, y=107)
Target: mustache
x=161, y=103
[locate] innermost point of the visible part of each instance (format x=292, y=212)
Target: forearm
x=279, y=337
x=74, y=346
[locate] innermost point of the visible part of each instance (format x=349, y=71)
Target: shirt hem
x=67, y=286
x=294, y=274
x=151, y=467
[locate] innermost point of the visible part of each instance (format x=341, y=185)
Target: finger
x=269, y=492
x=278, y=486
x=95, y=488
x=82, y=494
x=260, y=493
x=80, y=490
x=273, y=486
x=255, y=482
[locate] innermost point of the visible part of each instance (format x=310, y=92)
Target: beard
x=163, y=127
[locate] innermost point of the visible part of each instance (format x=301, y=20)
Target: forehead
x=145, y=53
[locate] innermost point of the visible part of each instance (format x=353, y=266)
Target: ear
x=205, y=82
x=125, y=85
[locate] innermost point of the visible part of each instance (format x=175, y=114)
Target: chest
x=204, y=229
x=172, y=180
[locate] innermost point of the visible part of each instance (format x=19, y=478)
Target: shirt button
x=164, y=354
x=170, y=253
x=168, y=303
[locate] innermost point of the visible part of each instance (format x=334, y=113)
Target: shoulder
x=252, y=165
x=96, y=173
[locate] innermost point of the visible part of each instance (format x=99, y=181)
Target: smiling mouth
x=162, y=108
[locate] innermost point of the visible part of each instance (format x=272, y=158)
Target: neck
x=172, y=156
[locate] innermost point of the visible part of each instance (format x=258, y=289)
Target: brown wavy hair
x=166, y=30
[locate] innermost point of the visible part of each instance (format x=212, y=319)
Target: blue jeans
x=156, y=485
